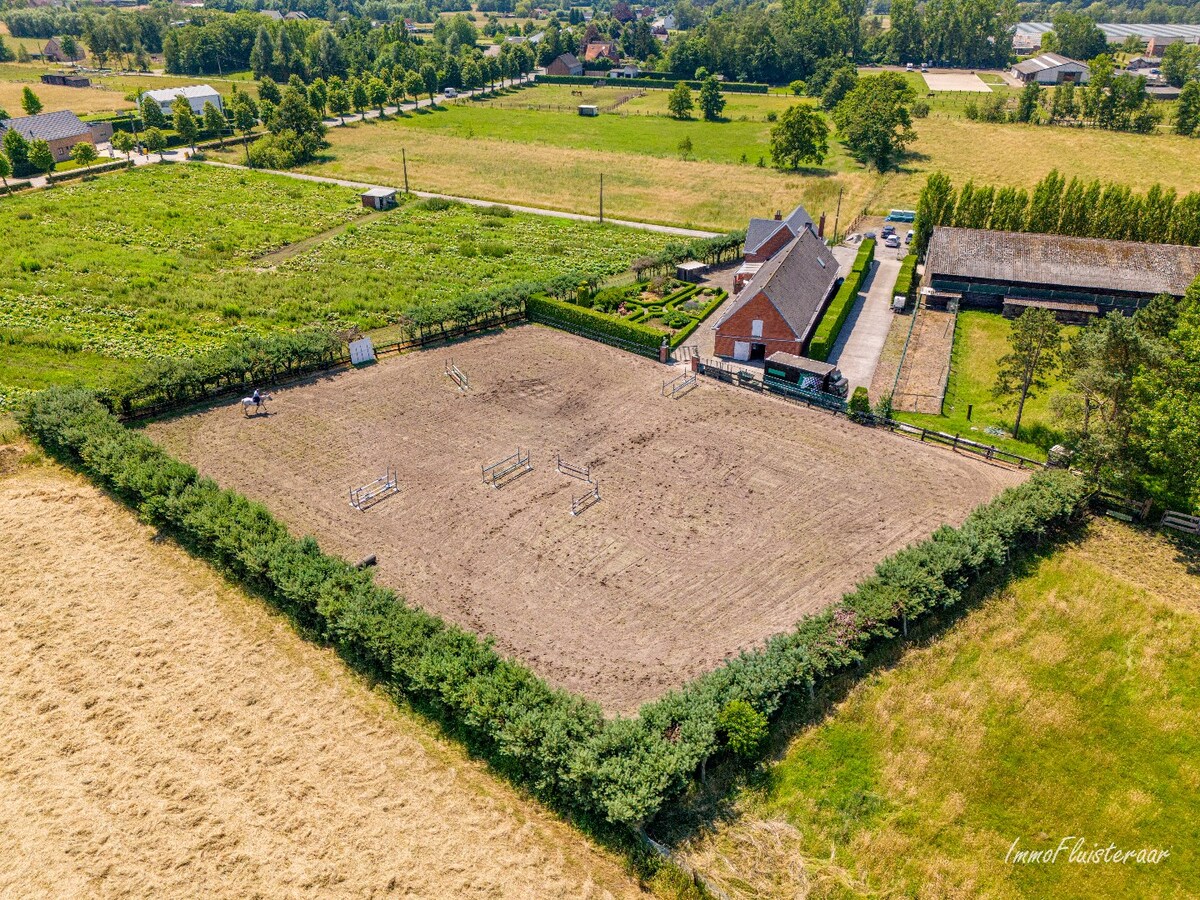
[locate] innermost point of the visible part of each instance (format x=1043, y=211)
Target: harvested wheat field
x=163, y=735
x=724, y=518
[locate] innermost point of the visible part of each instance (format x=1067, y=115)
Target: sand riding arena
x=704, y=524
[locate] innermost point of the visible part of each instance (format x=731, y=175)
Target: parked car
x=908, y=68
x=908, y=237
x=450, y=93
x=869, y=235
x=892, y=240
x=889, y=229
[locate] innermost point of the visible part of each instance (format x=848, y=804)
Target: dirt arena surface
x=725, y=516
x=956, y=81
x=163, y=735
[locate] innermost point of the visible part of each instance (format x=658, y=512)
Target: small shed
x=811, y=374
x=1067, y=313
x=588, y=109
x=692, y=271
x=379, y=198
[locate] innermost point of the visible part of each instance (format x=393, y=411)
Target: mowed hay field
x=1021, y=155
x=1066, y=706
x=164, y=735
x=725, y=517
x=637, y=186
x=81, y=101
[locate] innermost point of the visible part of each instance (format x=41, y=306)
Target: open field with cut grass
x=648, y=188
x=980, y=339
x=724, y=517
x=1021, y=155
x=1066, y=705
x=166, y=259
x=164, y=734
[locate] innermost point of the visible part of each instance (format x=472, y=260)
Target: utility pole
x=404, y=159
x=601, y=198
x=837, y=216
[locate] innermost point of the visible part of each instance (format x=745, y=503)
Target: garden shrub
x=860, y=402
x=744, y=728
x=570, y=317
x=620, y=771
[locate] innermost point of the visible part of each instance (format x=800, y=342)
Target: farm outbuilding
x=588, y=109
x=780, y=307
x=195, y=94
x=64, y=80
x=379, y=198
x=1081, y=277
x=61, y=130
x=691, y=271
x=565, y=64
x=1051, y=68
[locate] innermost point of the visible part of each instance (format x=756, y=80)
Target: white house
x=1051, y=68
x=197, y=95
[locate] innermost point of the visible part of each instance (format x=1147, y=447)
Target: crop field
x=659, y=187
x=163, y=259
x=723, y=518
x=164, y=734
x=1066, y=706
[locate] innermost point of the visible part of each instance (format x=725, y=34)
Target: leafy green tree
x=378, y=92
x=712, y=101
x=155, y=141
x=1180, y=63
x=214, y=121
x=318, y=96
x=429, y=78
x=5, y=170
x=1028, y=103
x=413, y=84
x=679, y=101
x=262, y=55
x=152, y=114
x=1009, y=209
x=268, y=90
x=874, y=119
x=122, y=142
x=339, y=101
x=245, y=117
x=839, y=85
x=800, y=135
x=185, y=122
x=1045, y=206
x=84, y=154
x=1035, y=350
x=1063, y=106
x=1078, y=36
x=30, y=102
x=16, y=148
x=359, y=98
x=1187, y=109
x=935, y=206
x=40, y=157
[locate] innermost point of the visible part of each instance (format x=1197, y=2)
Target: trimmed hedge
x=14, y=186
x=834, y=318
x=904, y=281
x=734, y=87
x=567, y=316
x=96, y=169
x=620, y=771
x=686, y=332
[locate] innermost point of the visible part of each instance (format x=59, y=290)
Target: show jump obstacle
x=508, y=469
x=369, y=494
x=583, y=473
x=455, y=374
x=679, y=385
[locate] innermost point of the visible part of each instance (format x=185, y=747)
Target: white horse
x=248, y=402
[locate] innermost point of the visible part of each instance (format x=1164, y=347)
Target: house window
x=756, y=328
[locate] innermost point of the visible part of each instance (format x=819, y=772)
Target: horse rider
x=256, y=397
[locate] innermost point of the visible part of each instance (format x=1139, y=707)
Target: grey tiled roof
x=760, y=231
x=1056, y=259
x=46, y=126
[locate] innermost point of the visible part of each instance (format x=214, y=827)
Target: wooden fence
x=1180, y=522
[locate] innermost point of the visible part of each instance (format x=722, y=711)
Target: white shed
x=197, y=95
x=1051, y=68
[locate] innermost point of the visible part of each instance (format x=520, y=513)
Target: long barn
x=1077, y=277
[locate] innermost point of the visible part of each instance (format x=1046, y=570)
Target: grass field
x=165, y=259
x=447, y=155
x=164, y=734
x=1067, y=705
x=980, y=339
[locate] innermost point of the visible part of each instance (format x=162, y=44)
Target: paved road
x=856, y=351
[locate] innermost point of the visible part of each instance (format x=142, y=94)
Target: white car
x=450, y=93
x=892, y=241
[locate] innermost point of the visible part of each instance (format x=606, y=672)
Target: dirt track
x=726, y=517
x=161, y=735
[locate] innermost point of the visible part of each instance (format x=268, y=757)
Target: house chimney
x=779, y=215
x=821, y=226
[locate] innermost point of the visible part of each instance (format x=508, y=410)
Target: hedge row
x=904, y=281
x=14, y=186
x=95, y=169
x=566, y=315
x=621, y=771
x=735, y=87
x=834, y=318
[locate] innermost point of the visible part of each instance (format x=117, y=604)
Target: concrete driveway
x=857, y=349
